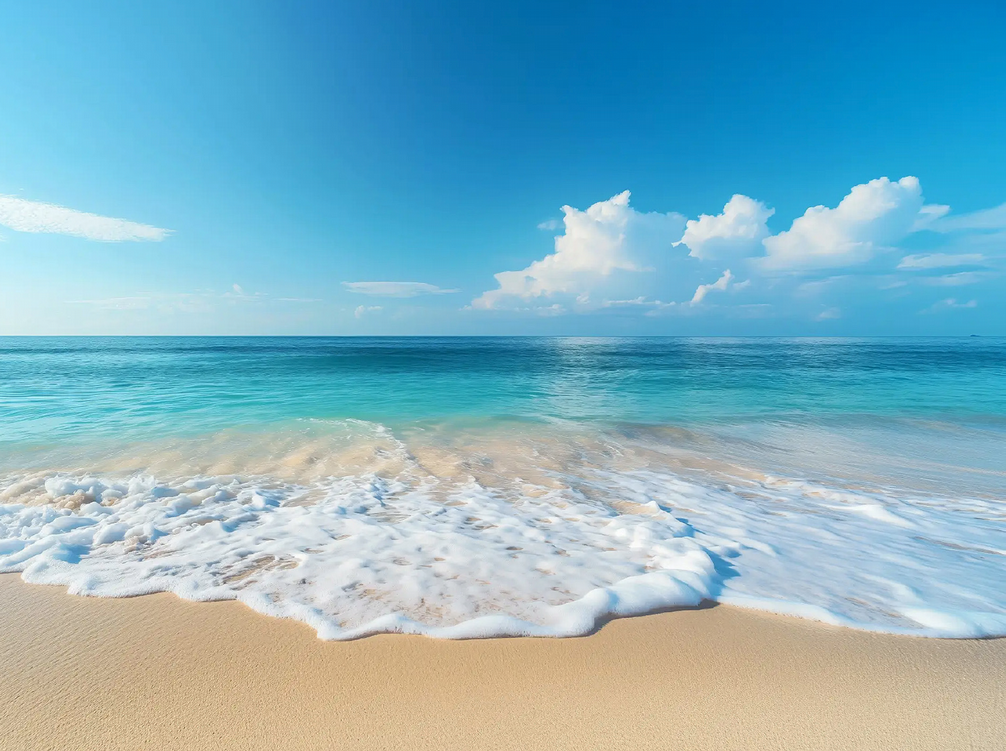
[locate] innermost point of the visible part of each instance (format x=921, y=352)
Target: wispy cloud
x=829, y=314
x=940, y=260
x=986, y=219
x=22, y=215
x=141, y=302
x=187, y=302
x=396, y=289
x=959, y=279
x=949, y=304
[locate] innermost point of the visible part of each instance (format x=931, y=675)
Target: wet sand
x=160, y=673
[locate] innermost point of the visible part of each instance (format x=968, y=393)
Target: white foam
x=413, y=553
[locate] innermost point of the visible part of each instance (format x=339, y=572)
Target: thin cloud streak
x=396, y=289
x=22, y=215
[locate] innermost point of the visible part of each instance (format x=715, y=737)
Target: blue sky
x=370, y=168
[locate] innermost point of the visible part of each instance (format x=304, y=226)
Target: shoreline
x=159, y=672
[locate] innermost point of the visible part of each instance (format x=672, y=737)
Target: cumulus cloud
x=870, y=218
x=940, y=260
x=396, y=289
x=738, y=231
x=362, y=310
x=22, y=215
x=611, y=256
x=719, y=285
x=608, y=237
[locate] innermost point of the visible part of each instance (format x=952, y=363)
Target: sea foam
x=455, y=556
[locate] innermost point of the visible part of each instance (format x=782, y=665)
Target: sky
x=448, y=168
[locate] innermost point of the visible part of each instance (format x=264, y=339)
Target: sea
x=481, y=487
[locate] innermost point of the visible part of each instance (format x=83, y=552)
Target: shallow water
x=477, y=487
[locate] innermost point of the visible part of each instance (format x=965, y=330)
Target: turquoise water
x=896, y=443
x=77, y=388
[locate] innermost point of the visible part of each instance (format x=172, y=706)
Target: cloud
x=928, y=216
x=829, y=314
x=21, y=215
x=179, y=302
x=940, y=260
x=396, y=289
x=738, y=231
x=203, y=301
x=719, y=285
x=986, y=219
x=550, y=225
x=117, y=303
x=608, y=237
x=870, y=218
x=611, y=256
x=959, y=279
x=949, y=304
x=362, y=310
x=817, y=287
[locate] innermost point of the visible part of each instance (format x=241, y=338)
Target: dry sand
x=157, y=672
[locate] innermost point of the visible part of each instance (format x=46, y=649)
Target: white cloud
x=940, y=260
x=362, y=310
x=396, y=289
x=139, y=302
x=986, y=219
x=718, y=286
x=817, y=287
x=21, y=215
x=893, y=284
x=738, y=231
x=949, y=304
x=829, y=314
x=203, y=301
x=610, y=256
x=959, y=279
x=608, y=237
x=634, y=302
x=550, y=225
x=928, y=216
x=870, y=218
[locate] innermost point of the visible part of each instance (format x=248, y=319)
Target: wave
x=466, y=534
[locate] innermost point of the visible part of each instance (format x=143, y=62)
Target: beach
x=158, y=672
x=502, y=544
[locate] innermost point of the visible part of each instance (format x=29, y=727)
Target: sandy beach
x=157, y=672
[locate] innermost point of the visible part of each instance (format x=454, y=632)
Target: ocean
x=474, y=487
